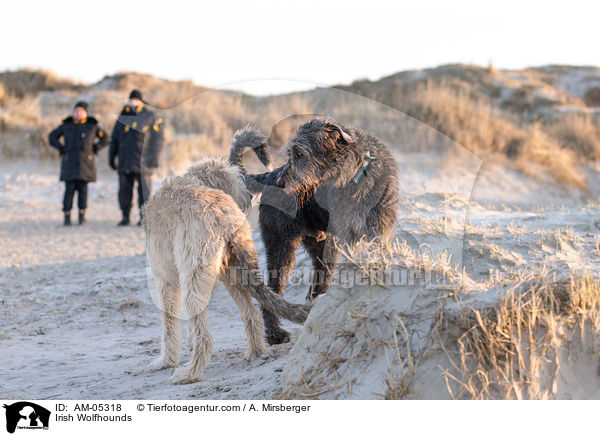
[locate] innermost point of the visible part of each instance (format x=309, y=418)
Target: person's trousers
x=80, y=187
x=144, y=188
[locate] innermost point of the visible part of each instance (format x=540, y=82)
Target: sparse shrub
x=592, y=96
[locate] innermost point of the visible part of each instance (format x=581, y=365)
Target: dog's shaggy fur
x=198, y=235
x=312, y=195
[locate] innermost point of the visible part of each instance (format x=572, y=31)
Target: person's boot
x=67, y=221
x=124, y=221
x=82, y=217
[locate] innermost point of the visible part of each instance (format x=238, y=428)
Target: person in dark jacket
x=82, y=138
x=136, y=142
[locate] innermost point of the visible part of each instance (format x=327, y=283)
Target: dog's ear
x=341, y=136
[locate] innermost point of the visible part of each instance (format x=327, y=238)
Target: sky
x=271, y=47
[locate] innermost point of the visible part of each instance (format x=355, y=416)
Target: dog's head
x=315, y=153
x=219, y=174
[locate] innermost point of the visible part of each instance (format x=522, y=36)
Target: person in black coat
x=136, y=142
x=82, y=139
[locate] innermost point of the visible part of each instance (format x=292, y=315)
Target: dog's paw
x=160, y=363
x=252, y=353
x=278, y=336
x=183, y=375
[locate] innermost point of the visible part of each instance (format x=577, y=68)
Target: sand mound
x=355, y=341
x=536, y=340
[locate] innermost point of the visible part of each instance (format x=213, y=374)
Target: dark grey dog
x=339, y=184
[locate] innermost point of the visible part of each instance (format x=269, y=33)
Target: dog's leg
x=241, y=254
x=253, y=323
x=171, y=326
x=324, y=257
x=197, y=284
x=201, y=349
x=281, y=258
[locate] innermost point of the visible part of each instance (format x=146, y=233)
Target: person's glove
x=112, y=164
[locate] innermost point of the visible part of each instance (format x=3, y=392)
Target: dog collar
x=367, y=159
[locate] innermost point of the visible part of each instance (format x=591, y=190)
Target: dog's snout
x=280, y=179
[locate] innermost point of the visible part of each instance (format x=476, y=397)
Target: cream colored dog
x=197, y=236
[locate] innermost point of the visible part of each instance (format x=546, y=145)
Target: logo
x=26, y=415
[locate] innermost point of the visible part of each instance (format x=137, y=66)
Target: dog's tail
x=243, y=272
x=277, y=304
x=249, y=137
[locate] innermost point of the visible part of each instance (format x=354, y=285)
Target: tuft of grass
x=579, y=133
x=510, y=351
x=402, y=368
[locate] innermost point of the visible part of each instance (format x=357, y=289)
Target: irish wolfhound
x=198, y=235
x=339, y=184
